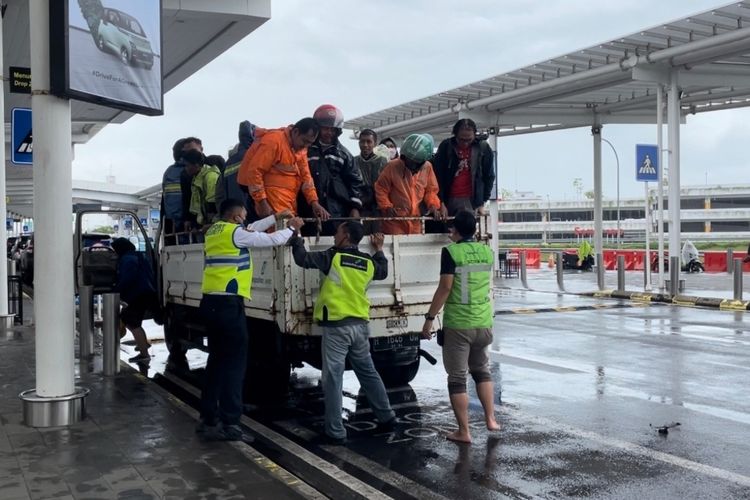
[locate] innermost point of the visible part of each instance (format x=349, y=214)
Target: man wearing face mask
x=337, y=180
x=407, y=187
x=227, y=280
x=389, y=143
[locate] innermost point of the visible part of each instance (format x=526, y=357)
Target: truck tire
x=397, y=376
x=175, y=346
x=268, y=366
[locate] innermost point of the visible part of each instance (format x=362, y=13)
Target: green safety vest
x=469, y=304
x=227, y=268
x=343, y=293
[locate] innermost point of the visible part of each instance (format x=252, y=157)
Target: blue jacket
x=135, y=277
x=171, y=189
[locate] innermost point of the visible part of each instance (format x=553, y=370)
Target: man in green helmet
x=407, y=187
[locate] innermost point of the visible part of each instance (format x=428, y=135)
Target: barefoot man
x=464, y=290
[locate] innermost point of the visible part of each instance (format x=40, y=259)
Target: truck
x=282, y=334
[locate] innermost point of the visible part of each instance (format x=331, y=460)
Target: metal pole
x=559, y=265
x=660, y=184
x=673, y=105
x=730, y=260
x=12, y=267
x=621, y=273
x=674, y=275
x=3, y=200
x=737, y=279
x=617, y=160
x=647, y=256
x=522, y=269
x=54, y=310
x=600, y=270
x=85, y=321
x=111, y=334
x=596, y=132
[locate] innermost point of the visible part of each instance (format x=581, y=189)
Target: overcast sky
x=366, y=56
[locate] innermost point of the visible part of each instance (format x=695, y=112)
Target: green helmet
x=418, y=147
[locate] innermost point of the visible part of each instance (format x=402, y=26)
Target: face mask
x=392, y=153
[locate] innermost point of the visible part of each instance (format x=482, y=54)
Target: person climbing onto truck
x=227, y=279
x=275, y=169
x=408, y=185
x=343, y=312
x=136, y=285
x=338, y=181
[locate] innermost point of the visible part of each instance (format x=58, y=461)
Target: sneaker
x=204, y=428
x=233, y=433
x=337, y=441
x=140, y=358
x=387, y=426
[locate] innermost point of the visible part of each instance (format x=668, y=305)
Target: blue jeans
x=226, y=326
x=352, y=341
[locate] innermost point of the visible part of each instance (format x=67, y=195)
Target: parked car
x=122, y=34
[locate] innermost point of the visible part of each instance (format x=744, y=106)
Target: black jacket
x=227, y=186
x=337, y=181
x=445, y=164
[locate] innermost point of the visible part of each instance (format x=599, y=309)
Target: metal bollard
x=559, y=265
x=738, y=279
x=620, y=273
x=11, y=267
x=600, y=271
x=111, y=334
x=522, y=269
x=730, y=261
x=674, y=276
x=85, y=321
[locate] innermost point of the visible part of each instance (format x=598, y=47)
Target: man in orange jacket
x=406, y=183
x=275, y=169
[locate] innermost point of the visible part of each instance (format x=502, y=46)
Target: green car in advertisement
x=122, y=34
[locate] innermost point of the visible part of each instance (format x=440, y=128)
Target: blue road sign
x=144, y=221
x=646, y=163
x=21, y=144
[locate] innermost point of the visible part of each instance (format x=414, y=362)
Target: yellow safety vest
x=343, y=292
x=227, y=268
x=469, y=304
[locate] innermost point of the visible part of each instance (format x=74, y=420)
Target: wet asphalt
x=582, y=385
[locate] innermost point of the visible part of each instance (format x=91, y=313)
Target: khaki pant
x=465, y=351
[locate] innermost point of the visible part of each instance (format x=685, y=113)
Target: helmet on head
x=329, y=115
x=418, y=147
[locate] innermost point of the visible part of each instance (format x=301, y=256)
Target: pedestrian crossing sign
x=21, y=144
x=646, y=163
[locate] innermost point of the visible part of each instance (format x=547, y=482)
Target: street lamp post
x=617, y=159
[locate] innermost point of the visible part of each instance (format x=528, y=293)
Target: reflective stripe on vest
x=469, y=304
x=343, y=292
x=227, y=268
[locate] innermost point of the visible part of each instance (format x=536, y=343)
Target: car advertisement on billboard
x=112, y=53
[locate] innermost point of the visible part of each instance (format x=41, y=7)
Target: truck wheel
x=396, y=376
x=175, y=346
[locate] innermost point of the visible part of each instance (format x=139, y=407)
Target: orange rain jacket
x=271, y=170
x=397, y=187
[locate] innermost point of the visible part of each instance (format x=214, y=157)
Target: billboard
x=108, y=52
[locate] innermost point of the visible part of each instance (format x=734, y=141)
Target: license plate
x=394, y=342
x=397, y=323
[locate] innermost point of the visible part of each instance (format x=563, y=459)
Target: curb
x=678, y=300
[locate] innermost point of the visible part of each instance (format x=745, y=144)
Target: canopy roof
x=613, y=82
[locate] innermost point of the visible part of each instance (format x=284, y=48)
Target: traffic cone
x=551, y=260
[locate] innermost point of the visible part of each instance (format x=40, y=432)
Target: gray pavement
x=136, y=444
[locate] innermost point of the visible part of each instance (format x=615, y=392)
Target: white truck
x=280, y=315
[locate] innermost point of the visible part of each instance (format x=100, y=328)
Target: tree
x=506, y=194
x=589, y=194
x=578, y=186
x=104, y=229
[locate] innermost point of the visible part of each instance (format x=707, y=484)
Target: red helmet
x=329, y=115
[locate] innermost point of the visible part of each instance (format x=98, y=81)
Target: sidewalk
x=134, y=444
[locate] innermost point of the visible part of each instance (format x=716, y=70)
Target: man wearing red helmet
x=338, y=181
